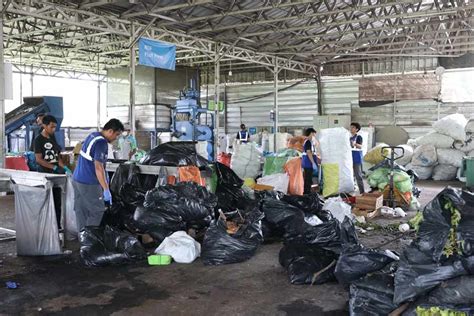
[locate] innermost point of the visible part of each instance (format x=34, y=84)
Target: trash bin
x=468, y=171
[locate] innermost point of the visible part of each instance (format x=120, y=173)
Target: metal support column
x=2, y=95
x=275, y=104
x=131, y=77
x=320, y=91
x=216, y=100
x=98, y=93
x=31, y=82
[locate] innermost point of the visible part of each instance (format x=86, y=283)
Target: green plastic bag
x=404, y=186
x=274, y=165
x=400, y=176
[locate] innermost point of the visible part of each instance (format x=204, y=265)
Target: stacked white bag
x=440, y=153
x=246, y=160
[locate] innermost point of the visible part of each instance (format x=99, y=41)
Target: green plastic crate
x=159, y=260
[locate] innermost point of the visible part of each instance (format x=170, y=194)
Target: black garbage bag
x=229, y=192
x=411, y=281
x=190, y=202
x=330, y=235
x=433, y=233
x=101, y=246
x=219, y=247
x=308, y=264
x=457, y=291
x=357, y=261
x=310, y=204
x=284, y=218
x=175, y=154
x=126, y=173
x=119, y=215
x=372, y=296
x=465, y=230
x=157, y=222
x=132, y=195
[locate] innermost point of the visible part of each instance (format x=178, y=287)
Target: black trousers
x=308, y=180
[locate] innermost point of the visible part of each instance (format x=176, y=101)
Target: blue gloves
x=67, y=170
x=108, y=196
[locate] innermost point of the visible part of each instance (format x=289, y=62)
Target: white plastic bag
x=279, y=181
x=338, y=208
x=436, y=139
x=444, y=172
x=181, y=247
x=451, y=157
x=424, y=173
x=466, y=146
x=313, y=220
x=452, y=125
x=424, y=156
x=246, y=160
x=336, y=161
x=471, y=154
x=408, y=155
x=412, y=143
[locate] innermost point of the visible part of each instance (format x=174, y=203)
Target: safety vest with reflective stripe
x=87, y=153
x=244, y=136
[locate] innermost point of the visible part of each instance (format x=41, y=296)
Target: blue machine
x=190, y=122
x=21, y=122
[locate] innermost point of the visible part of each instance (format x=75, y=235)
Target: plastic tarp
x=451, y=157
x=444, y=172
x=435, y=139
x=181, y=247
x=307, y=264
x=296, y=181
x=220, y=247
x=278, y=181
x=452, y=125
x=424, y=156
x=175, y=154
x=246, y=160
x=35, y=221
x=102, y=246
x=336, y=161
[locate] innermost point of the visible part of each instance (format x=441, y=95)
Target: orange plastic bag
x=297, y=143
x=190, y=174
x=293, y=168
x=224, y=159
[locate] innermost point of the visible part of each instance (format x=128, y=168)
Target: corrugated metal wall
x=298, y=102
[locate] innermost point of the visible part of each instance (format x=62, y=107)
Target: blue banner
x=156, y=54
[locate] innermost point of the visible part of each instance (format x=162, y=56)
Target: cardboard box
x=369, y=201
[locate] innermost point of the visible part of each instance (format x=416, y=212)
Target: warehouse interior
x=397, y=74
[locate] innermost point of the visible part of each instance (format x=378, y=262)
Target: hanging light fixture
x=230, y=69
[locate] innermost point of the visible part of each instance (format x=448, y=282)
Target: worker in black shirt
x=47, y=153
x=243, y=135
x=37, y=129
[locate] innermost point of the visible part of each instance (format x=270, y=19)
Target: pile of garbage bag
x=175, y=154
x=102, y=246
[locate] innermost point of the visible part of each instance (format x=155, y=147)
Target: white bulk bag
x=436, y=139
x=336, y=161
x=246, y=161
x=470, y=126
x=444, y=172
x=408, y=155
x=424, y=173
x=451, y=157
x=424, y=156
x=452, y=125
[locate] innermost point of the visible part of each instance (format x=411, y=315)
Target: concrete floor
x=62, y=285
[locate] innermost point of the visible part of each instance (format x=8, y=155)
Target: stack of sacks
x=439, y=154
x=246, y=160
x=281, y=141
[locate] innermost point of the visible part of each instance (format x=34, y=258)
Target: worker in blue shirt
x=243, y=134
x=90, y=181
x=356, y=144
x=309, y=159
